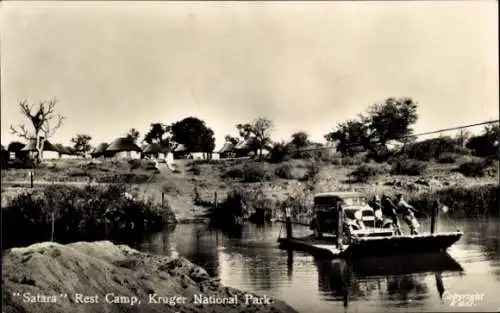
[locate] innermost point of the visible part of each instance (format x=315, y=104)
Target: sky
x=304, y=65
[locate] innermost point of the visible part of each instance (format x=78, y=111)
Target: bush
x=447, y=158
x=254, y=173
x=234, y=172
x=312, y=172
x=349, y=161
x=432, y=148
x=90, y=212
x=365, y=173
x=170, y=188
x=483, y=145
x=124, y=178
x=284, y=171
x=231, y=209
x=408, y=167
x=379, y=155
x=241, y=204
x=279, y=153
x=462, y=201
x=473, y=169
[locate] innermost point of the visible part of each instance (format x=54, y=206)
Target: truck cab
x=359, y=219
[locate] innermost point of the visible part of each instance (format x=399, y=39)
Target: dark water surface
x=249, y=259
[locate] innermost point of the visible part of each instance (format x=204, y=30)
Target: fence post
x=162, y=199
x=31, y=179
x=434, y=212
x=340, y=226
x=215, y=199
x=52, y=226
x=288, y=212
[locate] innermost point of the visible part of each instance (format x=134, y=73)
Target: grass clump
x=366, y=172
x=254, y=173
x=249, y=172
x=124, y=178
x=448, y=158
x=284, y=171
x=312, y=172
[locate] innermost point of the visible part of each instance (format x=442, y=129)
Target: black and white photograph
x=250, y=156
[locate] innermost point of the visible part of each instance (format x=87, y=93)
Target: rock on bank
x=50, y=277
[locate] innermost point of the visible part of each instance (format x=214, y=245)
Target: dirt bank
x=36, y=278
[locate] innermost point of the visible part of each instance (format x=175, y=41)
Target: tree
x=81, y=143
x=231, y=139
x=159, y=133
x=349, y=135
x=245, y=130
x=300, y=139
x=486, y=144
x=44, y=120
x=133, y=134
x=194, y=135
x=260, y=129
x=391, y=120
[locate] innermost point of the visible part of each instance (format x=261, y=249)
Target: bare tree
x=44, y=120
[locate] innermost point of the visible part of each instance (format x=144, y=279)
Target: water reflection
x=388, y=277
x=248, y=258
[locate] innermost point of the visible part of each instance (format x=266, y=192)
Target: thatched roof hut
x=227, y=147
x=123, y=144
x=47, y=146
x=99, y=150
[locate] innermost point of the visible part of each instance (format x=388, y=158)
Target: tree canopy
x=81, y=143
x=260, y=129
x=194, y=135
x=300, y=139
x=386, y=121
x=133, y=134
x=159, y=133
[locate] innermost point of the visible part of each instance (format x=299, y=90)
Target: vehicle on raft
x=363, y=231
x=359, y=218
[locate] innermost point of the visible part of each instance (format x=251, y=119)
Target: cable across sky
x=419, y=134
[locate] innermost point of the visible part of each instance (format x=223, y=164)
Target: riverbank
x=194, y=187
x=50, y=277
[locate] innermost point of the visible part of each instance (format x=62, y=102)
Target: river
x=249, y=259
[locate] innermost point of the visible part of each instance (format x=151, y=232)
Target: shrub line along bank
x=68, y=213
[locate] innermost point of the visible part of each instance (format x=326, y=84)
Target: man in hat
x=389, y=209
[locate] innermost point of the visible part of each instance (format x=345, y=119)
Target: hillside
x=297, y=178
